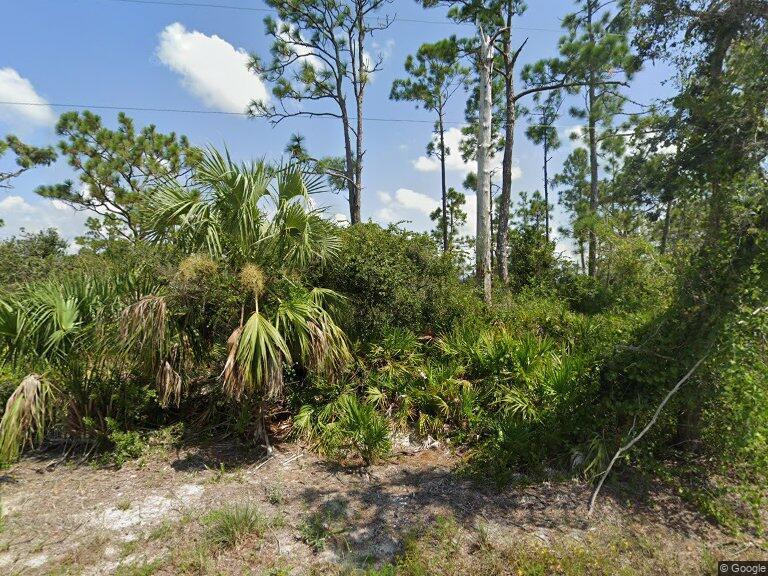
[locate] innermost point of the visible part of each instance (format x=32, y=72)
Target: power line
x=245, y=115
x=208, y=5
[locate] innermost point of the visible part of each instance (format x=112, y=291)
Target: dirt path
x=151, y=515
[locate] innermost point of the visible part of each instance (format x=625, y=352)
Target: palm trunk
x=261, y=434
x=483, y=241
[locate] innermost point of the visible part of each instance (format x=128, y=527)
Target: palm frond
x=259, y=355
x=26, y=414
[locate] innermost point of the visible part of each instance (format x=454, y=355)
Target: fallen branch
x=634, y=440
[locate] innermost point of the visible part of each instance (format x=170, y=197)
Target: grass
x=161, y=531
x=446, y=549
x=275, y=495
x=229, y=526
x=142, y=568
x=195, y=560
x=325, y=526
x=78, y=559
x=223, y=475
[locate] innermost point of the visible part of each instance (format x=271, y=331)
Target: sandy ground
x=63, y=518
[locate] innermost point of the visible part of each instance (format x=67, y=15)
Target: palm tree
x=83, y=340
x=259, y=221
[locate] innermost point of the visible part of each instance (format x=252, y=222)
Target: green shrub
x=396, y=279
x=126, y=445
x=532, y=260
x=346, y=427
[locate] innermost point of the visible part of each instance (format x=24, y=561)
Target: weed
x=123, y=505
x=128, y=548
x=275, y=494
x=344, y=427
x=436, y=552
x=193, y=561
x=223, y=475
x=161, y=531
x=127, y=445
x=230, y=525
x=324, y=526
x=281, y=571
x=142, y=568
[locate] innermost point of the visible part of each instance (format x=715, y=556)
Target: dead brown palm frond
x=26, y=414
x=233, y=382
x=145, y=331
x=319, y=346
x=328, y=350
x=143, y=326
x=169, y=384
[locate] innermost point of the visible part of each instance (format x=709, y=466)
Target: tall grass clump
x=231, y=525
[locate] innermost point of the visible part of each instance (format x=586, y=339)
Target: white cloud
x=211, y=68
x=384, y=197
x=340, y=219
x=406, y=204
x=15, y=88
x=417, y=201
x=14, y=204
x=414, y=207
x=428, y=164
x=454, y=161
x=470, y=208
x=38, y=215
x=384, y=50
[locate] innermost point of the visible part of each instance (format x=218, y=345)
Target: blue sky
x=106, y=52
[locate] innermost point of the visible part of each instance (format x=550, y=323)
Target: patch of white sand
x=146, y=512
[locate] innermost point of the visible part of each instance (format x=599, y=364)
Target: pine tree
x=319, y=56
x=26, y=158
x=435, y=74
x=573, y=183
x=118, y=170
x=597, y=52
x=543, y=133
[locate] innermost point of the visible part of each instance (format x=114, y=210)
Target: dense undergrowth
x=357, y=336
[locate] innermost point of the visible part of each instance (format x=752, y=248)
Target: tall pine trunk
x=354, y=204
x=546, y=186
x=349, y=159
x=593, y=166
x=502, y=243
x=483, y=240
x=444, y=191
